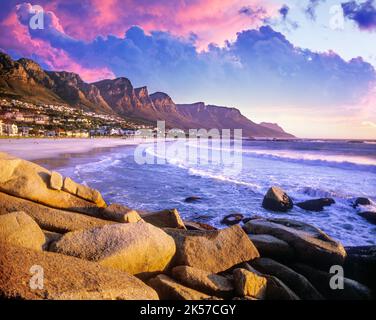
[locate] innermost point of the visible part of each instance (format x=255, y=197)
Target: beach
x=46, y=148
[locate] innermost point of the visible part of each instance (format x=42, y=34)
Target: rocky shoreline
x=87, y=249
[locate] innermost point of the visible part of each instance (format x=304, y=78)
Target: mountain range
x=24, y=79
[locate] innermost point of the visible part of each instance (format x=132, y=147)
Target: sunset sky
x=309, y=65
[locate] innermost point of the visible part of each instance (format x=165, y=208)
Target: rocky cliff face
x=26, y=80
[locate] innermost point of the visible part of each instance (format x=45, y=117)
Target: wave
x=332, y=160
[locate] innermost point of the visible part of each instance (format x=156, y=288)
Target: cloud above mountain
x=363, y=14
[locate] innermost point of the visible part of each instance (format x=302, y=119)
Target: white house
x=11, y=129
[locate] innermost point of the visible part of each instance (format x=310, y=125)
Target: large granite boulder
x=352, y=290
x=19, y=229
x=164, y=219
x=137, y=248
x=310, y=244
x=169, y=289
x=212, y=251
x=316, y=204
x=29, y=181
x=360, y=265
x=65, y=278
x=272, y=247
x=47, y=218
x=249, y=284
x=295, y=281
x=120, y=213
x=277, y=200
x=203, y=281
x=275, y=288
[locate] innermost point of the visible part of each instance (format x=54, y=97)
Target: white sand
x=33, y=149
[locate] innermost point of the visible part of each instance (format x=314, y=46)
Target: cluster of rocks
x=90, y=250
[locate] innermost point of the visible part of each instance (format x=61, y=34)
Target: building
x=10, y=129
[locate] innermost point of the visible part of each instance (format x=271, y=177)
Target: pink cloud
x=211, y=20
x=18, y=40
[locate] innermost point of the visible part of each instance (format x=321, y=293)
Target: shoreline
x=56, y=148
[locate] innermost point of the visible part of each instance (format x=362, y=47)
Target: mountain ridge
x=24, y=79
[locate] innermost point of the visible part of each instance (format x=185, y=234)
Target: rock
x=310, y=244
x=19, y=229
x=212, y=251
x=272, y=247
x=65, y=278
x=191, y=225
x=164, y=219
x=295, y=281
x=137, y=248
x=250, y=284
x=275, y=288
x=232, y=219
x=192, y=199
x=352, y=290
x=70, y=186
x=50, y=238
x=48, y=218
x=361, y=201
x=277, y=200
x=360, y=265
x=168, y=289
x=316, y=204
x=120, y=213
x=91, y=195
x=245, y=220
x=369, y=216
x=203, y=281
x=29, y=181
x=56, y=181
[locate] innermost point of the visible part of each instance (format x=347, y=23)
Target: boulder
x=65, y=278
x=192, y=199
x=70, y=186
x=212, y=251
x=277, y=200
x=360, y=265
x=316, y=204
x=295, y=281
x=91, y=195
x=120, y=213
x=275, y=288
x=232, y=219
x=137, y=248
x=168, y=289
x=369, y=216
x=191, y=225
x=272, y=247
x=29, y=181
x=164, y=219
x=352, y=290
x=361, y=201
x=56, y=181
x=47, y=218
x=310, y=244
x=203, y=281
x=248, y=283
x=19, y=229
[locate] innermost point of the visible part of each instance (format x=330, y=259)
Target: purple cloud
x=363, y=14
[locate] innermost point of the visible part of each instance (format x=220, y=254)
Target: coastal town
x=24, y=119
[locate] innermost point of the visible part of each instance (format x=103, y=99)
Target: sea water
x=304, y=169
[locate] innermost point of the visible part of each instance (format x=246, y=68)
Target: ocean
x=234, y=179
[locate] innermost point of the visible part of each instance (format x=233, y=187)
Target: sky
x=309, y=65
